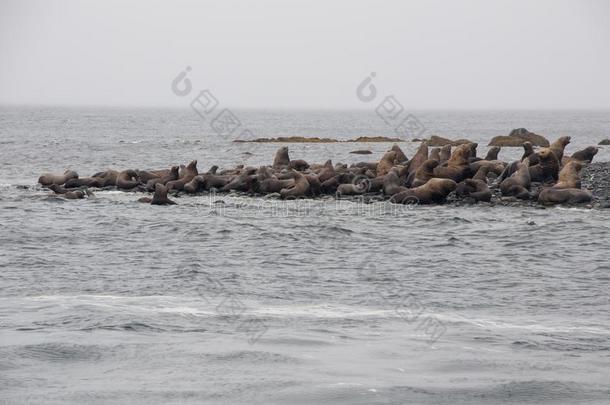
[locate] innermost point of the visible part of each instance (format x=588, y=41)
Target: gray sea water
x=232, y=299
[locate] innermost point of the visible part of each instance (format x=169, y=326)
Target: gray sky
x=286, y=54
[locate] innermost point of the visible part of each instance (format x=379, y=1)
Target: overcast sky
x=312, y=54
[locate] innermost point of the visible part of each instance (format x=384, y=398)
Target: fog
x=470, y=54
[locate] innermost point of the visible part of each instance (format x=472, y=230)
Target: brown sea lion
x=547, y=168
x=145, y=176
x=494, y=166
x=519, y=183
x=435, y=153
x=315, y=185
x=393, y=184
x=196, y=184
x=300, y=188
x=242, y=182
x=351, y=189
x=473, y=151
x=424, y=173
x=528, y=152
x=281, y=158
x=559, y=146
x=445, y=153
x=49, y=178
x=127, y=179
x=420, y=157
x=492, y=153
x=386, y=163
x=400, y=155
x=69, y=194
x=160, y=196
x=172, y=175
x=434, y=191
x=564, y=196
x=569, y=176
x=107, y=177
x=216, y=181
x=585, y=155
x=188, y=173
x=483, y=171
x=458, y=167
x=474, y=188
x=298, y=164
x=84, y=182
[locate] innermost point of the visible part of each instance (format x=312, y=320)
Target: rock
x=361, y=152
x=535, y=139
x=605, y=142
x=517, y=137
x=440, y=141
x=505, y=141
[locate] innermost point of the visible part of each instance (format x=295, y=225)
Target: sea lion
x=315, y=185
x=424, y=173
x=298, y=164
x=127, y=179
x=69, y=194
x=494, y=166
x=445, y=153
x=267, y=183
x=559, y=145
x=547, y=168
x=564, y=196
x=216, y=181
x=172, y=175
x=188, y=173
x=196, y=184
x=107, y=178
x=281, y=158
x=519, y=183
x=473, y=151
x=585, y=155
x=458, y=167
x=242, y=182
x=393, y=184
x=145, y=176
x=492, y=153
x=300, y=188
x=435, y=153
x=351, y=189
x=49, y=178
x=528, y=152
x=569, y=176
x=434, y=191
x=474, y=188
x=482, y=173
x=160, y=196
x=420, y=157
x=84, y=182
x=400, y=155
x=386, y=163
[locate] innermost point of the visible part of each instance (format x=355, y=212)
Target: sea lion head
x=70, y=174
x=544, y=154
x=564, y=140
x=430, y=164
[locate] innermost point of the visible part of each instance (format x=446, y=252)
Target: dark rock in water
x=527, y=136
x=518, y=137
x=605, y=142
x=440, y=141
x=361, y=152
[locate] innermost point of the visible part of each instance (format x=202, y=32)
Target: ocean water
x=233, y=299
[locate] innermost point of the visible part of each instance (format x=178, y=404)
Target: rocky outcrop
x=518, y=137
x=440, y=141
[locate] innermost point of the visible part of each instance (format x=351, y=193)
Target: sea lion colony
x=546, y=175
